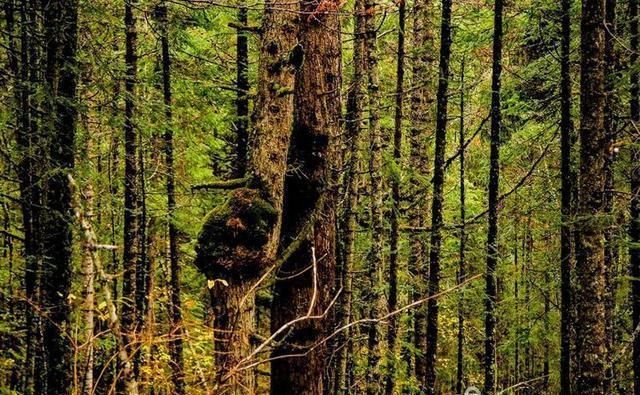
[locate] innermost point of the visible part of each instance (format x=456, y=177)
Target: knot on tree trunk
x=232, y=239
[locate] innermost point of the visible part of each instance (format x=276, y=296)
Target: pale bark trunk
x=89, y=301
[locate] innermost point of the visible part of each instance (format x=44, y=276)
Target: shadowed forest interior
x=319, y=197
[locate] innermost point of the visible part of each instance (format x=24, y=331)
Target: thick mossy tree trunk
x=304, y=289
x=433, y=285
x=239, y=240
x=590, y=271
x=491, y=296
x=60, y=21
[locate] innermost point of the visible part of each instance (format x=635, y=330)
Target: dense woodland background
x=319, y=197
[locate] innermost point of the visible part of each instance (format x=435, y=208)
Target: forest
x=319, y=197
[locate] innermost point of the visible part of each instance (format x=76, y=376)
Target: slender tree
x=174, y=263
x=437, y=202
x=590, y=278
x=392, y=300
x=492, y=231
x=131, y=242
x=419, y=112
x=27, y=139
x=566, y=256
x=634, y=228
x=142, y=269
x=462, y=270
x=88, y=292
x=373, y=293
x=610, y=56
x=242, y=97
x=353, y=129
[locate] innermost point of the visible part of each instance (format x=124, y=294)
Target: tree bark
x=60, y=21
x=89, y=301
x=392, y=302
x=373, y=295
x=634, y=204
x=142, y=269
x=590, y=271
x=462, y=270
x=419, y=114
x=238, y=243
x=609, y=125
x=353, y=129
x=131, y=243
x=242, y=98
x=28, y=139
x=567, y=190
x=176, y=331
x=305, y=287
x=492, y=231
x=433, y=284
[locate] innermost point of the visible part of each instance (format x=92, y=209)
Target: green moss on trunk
x=232, y=239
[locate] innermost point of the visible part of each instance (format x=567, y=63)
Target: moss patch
x=232, y=239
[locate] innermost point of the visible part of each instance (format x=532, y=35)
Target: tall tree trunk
x=60, y=21
x=566, y=256
x=176, y=331
x=634, y=204
x=142, y=271
x=113, y=265
x=590, y=271
x=516, y=288
x=421, y=99
x=634, y=250
x=437, y=202
x=545, y=366
x=14, y=69
x=353, y=127
x=373, y=295
x=89, y=301
x=305, y=288
x=462, y=270
x=527, y=251
x=492, y=231
x=90, y=245
x=239, y=240
x=392, y=302
x=132, y=224
x=609, y=125
x=28, y=140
